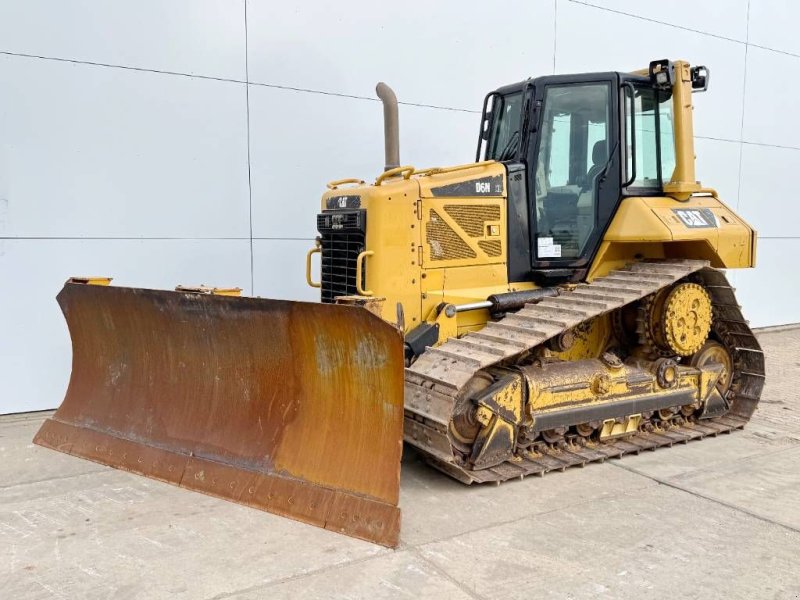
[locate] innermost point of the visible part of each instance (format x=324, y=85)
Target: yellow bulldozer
x=557, y=302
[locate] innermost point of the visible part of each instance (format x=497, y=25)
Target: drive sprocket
x=675, y=321
x=687, y=318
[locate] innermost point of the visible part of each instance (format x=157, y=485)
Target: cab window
x=572, y=159
x=505, y=126
x=654, y=142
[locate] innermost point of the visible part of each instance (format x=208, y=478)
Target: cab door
x=574, y=172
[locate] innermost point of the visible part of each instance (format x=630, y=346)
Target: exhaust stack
x=391, y=125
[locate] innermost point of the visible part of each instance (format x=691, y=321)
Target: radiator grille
x=445, y=244
x=343, y=238
x=472, y=219
x=491, y=247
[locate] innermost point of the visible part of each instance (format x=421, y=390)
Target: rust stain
x=295, y=408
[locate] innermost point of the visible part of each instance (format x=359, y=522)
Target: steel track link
x=435, y=380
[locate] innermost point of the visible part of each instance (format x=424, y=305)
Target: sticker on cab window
x=547, y=249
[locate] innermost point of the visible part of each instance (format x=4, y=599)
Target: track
x=434, y=381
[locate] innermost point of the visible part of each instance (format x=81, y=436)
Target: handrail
x=409, y=171
x=332, y=185
x=707, y=191
x=437, y=170
x=406, y=172
x=486, y=125
x=309, y=281
x=360, y=272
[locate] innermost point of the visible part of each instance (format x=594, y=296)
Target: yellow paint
x=682, y=183
x=401, y=267
x=590, y=382
x=360, y=272
x=500, y=414
x=448, y=325
x=647, y=227
x=423, y=250
x=687, y=319
x=591, y=339
x=316, y=250
x=333, y=185
x=91, y=280
x=393, y=235
x=226, y=291
x=612, y=428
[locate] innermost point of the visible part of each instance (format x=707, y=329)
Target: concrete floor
x=713, y=519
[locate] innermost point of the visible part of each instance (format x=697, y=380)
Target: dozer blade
x=290, y=407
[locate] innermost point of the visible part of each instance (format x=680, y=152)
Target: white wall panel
x=717, y=166
x=435, y=138
x=773, y=24
x=592, y=39
x=279, y=270
x=35, y=354
x=204, y=37
x=300, y=141
x=727, y=19
x=773, y=86
x=768, y=294
x=769, y=190
x=447, y=53
x=96, y=152
x=93, y=151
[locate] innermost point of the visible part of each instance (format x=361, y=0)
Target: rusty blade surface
x=291, y=407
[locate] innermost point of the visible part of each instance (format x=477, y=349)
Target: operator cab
x=560, y=139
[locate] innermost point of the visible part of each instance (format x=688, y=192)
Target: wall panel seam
x=30, y=238
x=249, y=166
x=227, y=80
x=699, y=31
x=555, y=34
x=124, y=67
x=746, y=142
x=744, y=103
x=357, y=97
x=651, y=20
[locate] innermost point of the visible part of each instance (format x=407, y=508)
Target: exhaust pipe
x=391, y=125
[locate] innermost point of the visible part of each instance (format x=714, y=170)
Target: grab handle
x=332, y=185
x=309, y=281
x=406, y=172
x=360, y=272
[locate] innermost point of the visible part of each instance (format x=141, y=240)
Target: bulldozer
x=562, y=300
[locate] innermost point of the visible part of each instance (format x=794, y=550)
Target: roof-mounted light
x=662, y=73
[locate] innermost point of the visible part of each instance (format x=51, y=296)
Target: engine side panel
x=440, y=236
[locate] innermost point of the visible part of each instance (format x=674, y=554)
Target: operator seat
x=599, y=159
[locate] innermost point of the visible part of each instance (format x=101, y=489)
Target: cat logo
x=339, y=202
x=696, y=218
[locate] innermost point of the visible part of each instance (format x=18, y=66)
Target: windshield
x=505, y=126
